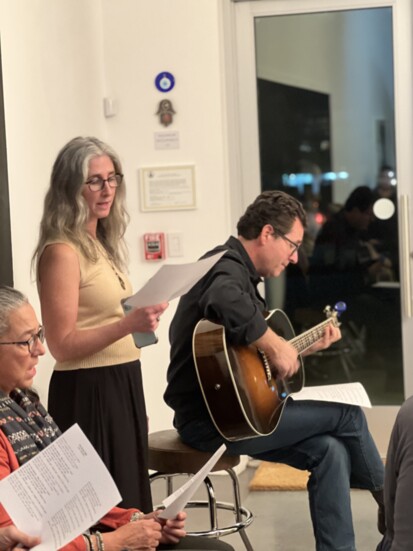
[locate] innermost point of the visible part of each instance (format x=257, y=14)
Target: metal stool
x=170, y=457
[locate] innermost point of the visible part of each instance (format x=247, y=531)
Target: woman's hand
x=10, y=537
x=141, y=535
x=146, y=534
x=145, y=319
x=172, y=529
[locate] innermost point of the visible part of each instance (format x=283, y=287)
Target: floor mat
x=276, y=476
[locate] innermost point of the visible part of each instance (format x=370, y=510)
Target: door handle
x=405, y=255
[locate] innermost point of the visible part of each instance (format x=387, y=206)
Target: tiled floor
x=281, y=519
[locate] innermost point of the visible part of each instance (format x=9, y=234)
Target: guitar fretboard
x=308, y=338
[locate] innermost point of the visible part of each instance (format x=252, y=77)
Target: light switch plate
x=175, y=244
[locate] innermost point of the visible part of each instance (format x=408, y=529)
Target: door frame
x=6, y=266
x=244, y=167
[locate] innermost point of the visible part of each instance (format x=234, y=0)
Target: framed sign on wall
x=167, y=188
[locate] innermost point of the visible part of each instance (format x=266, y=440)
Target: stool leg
x=213, y=506
x=168, y=481
x=169, y=485
x=237, y=511
x=212, y=502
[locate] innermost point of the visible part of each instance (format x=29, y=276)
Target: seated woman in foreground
x=398, y=483
x=26, y=428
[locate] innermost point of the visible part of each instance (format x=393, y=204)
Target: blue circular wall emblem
x=164, y=81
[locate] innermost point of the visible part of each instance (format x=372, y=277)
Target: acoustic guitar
x=242, y=395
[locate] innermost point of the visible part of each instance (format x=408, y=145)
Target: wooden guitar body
x=243, y=398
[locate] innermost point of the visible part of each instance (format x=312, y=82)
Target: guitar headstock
x=334, y=313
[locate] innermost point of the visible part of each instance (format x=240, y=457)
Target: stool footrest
x=225, y=530
x=169, y=457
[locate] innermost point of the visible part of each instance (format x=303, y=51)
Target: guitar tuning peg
x=340, y=307
x=327, y=311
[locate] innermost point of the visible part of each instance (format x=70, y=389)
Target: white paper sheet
x=346, y=393
x=171, y=281
x=176, y=502
x=61, y=492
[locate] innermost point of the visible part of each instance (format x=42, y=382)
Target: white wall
x=52, y=77
x=141, y=40
x=60, y=59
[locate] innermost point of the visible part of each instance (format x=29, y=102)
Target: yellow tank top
x=100, y=295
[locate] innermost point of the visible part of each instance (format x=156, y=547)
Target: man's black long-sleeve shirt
x=226, y=295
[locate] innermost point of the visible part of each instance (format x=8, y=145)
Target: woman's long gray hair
x=10, y=300
x=66, y=212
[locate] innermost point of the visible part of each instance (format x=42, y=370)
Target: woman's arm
x=59, y=274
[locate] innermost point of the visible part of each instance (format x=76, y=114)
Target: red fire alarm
x=154, y=246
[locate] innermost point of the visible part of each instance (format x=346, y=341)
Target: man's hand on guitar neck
x=282, y=356
x=331, y=334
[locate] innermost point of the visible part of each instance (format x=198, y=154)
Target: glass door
x=326, y=130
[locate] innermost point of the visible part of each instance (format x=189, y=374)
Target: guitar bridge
x=266, y=364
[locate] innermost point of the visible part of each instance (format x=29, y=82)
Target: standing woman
x=80, y=264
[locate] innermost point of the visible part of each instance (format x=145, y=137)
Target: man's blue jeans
x=330, y=440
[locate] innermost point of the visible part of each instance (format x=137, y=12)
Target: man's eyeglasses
x=32, y=342
x=97, y=183
x=293, y=245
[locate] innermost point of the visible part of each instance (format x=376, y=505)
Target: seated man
x=331, y=440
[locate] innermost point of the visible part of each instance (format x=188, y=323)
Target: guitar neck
x=302, y=342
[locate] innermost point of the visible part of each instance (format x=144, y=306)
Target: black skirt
x=108, y=404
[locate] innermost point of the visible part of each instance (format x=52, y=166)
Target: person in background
x=26, y=428
x=11, y=538
x=343, y=262
x=80, y=263
x=331, y=440
x=346, y=266
x=398, y=483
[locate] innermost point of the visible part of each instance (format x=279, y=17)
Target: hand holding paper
x=61, y=492
x=177, y=501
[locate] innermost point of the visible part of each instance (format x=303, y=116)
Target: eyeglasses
x=32, y=342
x=293, y=245
x=97, y=183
